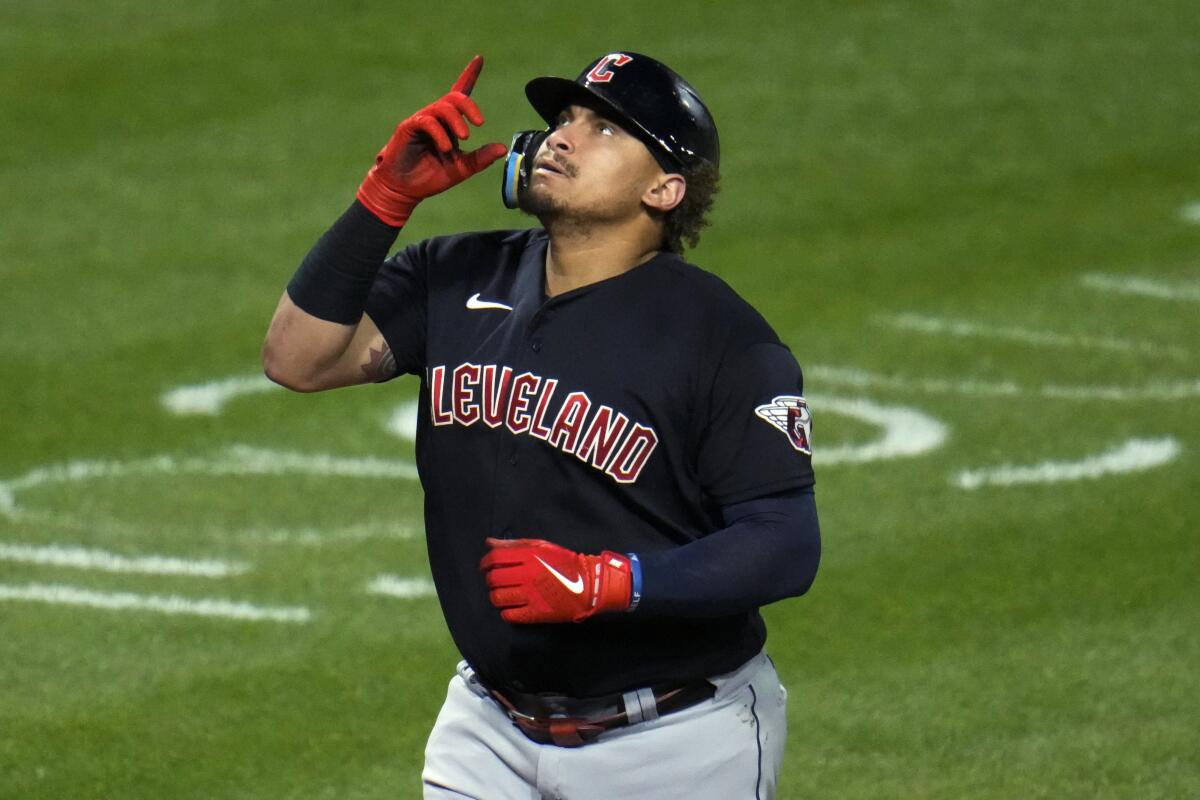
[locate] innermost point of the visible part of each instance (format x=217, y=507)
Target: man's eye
x=605, y=128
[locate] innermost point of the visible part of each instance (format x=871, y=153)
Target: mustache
x=568, y=168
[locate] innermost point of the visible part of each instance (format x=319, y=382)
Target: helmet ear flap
x=519, y=164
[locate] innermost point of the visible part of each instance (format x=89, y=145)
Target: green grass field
x=978, y=216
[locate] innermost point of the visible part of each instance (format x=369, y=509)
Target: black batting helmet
x=643, y=95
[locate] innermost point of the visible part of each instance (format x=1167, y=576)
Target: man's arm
x=319, y=337
x=309, y=354
x=769, y=550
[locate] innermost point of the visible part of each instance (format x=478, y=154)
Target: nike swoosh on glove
x=532, y=580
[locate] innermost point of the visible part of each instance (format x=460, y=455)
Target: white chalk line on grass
x=920, y=323
x=318, y=536
x=403, y=422
x=103, y=561
x=1135, y=455
x=210, y=398
x=246, y=460
x=58, y=594
x=1178, y=390
x=864, y=379
x=404, y=588
x=1142, y=287
x=240, y=460
x=224, y=534
x=904, y=431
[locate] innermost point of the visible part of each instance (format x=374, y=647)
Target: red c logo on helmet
x=601, y=72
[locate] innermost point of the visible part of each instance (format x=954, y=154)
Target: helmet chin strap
x=518, y=166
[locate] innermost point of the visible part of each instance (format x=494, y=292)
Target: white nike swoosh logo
x=474, y=303
x=575, y=586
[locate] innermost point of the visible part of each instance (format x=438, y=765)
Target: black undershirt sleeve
x=334, y=279
x=769, y=550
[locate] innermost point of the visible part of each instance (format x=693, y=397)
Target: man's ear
x=666, y=193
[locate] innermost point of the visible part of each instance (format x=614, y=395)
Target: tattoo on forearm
x=381, y=364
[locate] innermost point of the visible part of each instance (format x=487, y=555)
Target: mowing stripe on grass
x=58, y=594
x=863, y=379
x=920, y=323
x=1135, y=455
x=406, y=588
x=1142, y=287
x=1190, y=213
x=210, y=398
x=83, y=558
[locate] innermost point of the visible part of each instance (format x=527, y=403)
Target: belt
x=571, y=722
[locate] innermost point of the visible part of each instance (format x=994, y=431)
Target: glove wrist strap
x=615, y=591
x=390, y=206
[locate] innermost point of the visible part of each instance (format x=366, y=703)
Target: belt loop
x=640, y=706
x=633, y=707
x=649, y=708
x=467, y=673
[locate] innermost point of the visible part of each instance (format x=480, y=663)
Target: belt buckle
x=574, y=731
x=563, y=731
x=560, y=731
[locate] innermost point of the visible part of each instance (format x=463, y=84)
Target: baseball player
x=614, y=447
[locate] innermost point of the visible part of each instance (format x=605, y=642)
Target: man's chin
x=536, y=202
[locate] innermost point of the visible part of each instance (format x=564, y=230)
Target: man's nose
x=561, y=140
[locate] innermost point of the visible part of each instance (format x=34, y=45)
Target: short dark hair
x=684, y=222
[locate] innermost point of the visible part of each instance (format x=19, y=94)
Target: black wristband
x=334, y=279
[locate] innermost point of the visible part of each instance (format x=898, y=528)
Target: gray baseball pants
x=726, y=748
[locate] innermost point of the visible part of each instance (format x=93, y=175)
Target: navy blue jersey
x=620, y=416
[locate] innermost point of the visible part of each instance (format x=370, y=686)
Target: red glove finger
x=433, y=128
x=450, y=118
x=466, y=81
x=422, y=157
x=501, y=553
x=508, y=598
x=466, y=106
x=526, y=616
x=504, y=577
x=514, y=544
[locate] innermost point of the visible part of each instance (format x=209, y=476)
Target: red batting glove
x=532, y=580
x=422, y=157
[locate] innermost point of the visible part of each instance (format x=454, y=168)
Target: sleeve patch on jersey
x=790, y=414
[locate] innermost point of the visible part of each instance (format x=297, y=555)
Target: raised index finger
x=466, y=81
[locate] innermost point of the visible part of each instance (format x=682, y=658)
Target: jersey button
x=512, y=459
x=536, y=345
